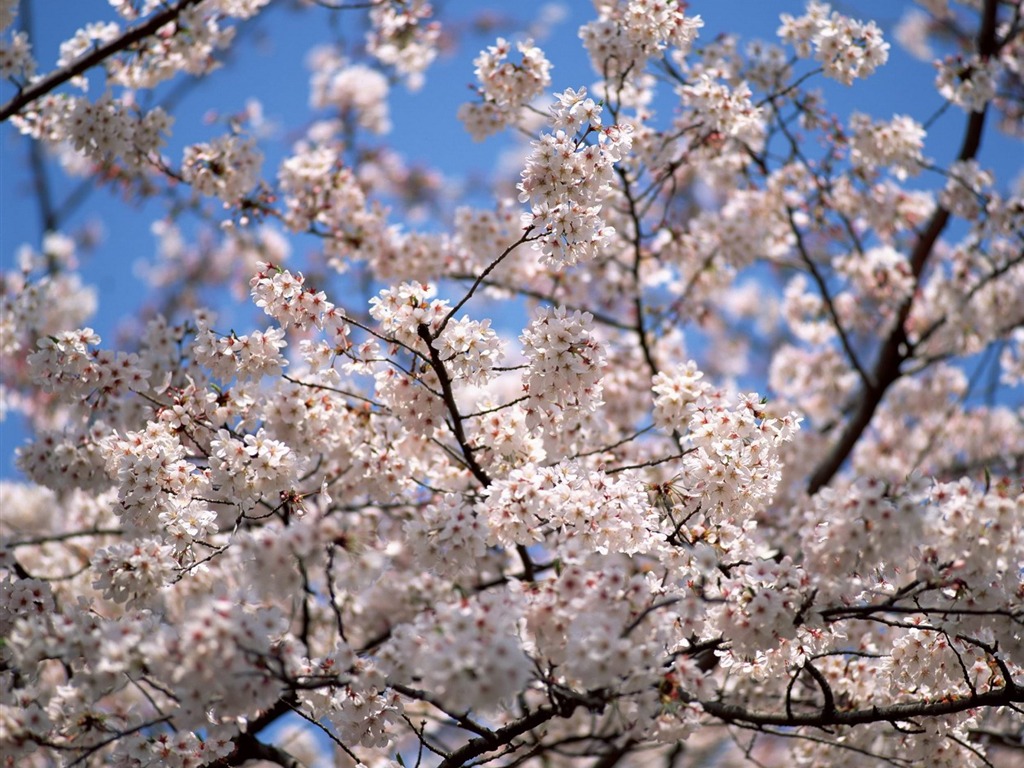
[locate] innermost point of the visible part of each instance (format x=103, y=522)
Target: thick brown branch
x=731, y=713
x=248, y=747
x=503, y=736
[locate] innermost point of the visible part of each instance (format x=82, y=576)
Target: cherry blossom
x=693, y=428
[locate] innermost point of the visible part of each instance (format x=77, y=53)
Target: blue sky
x=269, y=64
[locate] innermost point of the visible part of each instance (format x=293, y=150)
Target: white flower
x=403, y=36
x=565, y=363
x=848, y=49
x=970, y=83
x=228, y=167
x=358, y=93
x=895, y=145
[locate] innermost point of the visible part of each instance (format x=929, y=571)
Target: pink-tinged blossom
x=725, y=110
x=358, y=93
x=565, y=364
x=252, y=355
x=586, y=510
x=376, y=515
x=133, y=573
x=403, y=35
x=450, y=537
x=895, y=144
x=567, y=176
x=629, y=33
x=16, y=59
x=475, y=664
x=969, y=83
x=226, y=167
x=966, y=188
x=404, y=309
x=505, y=86
x=675, y=393
x=847, y=49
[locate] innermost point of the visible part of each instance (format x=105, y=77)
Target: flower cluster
x=133, y=572
x=252, y=468
x=587, y=511
x=84, y=39
x=411, y=398
x=249, y=356
x=628, y=33
x=895, y=145
x=320, y=194
x=466, y=652
x=105, y=131
x=802, y=375
x=469, y=348
x=565, y=365
x=734, y=466
x=23, y=597
x=360, y=707
x=504, y=438
x=566, y=178
x=1011, y=360
x=725, y=110
x=403, y=36
x=761, y=605
x=201, y=31
x=966, y=189
x=404, y=309
x=881, y=274
x=847, y=49
x=970, y=83
x=675, y=393
x=357, y=92
x=155, y=481
x=56, y=459
x=34, y=305
x=226, y=167
x=361, y=513
x=285, y=297
x=221, y=652
x=450, y=536
x=750, y=225
x=64, y=363
x=580, y=622
x=505, y=86
x=181, y=749
x=16, y=57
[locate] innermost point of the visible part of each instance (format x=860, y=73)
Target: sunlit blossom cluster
x=566, y=363
x=693, y=429
x=847, y=49
x=895, y=144
x=628, y=33
x=567, y=176
x=404, y=36
x=226, y=167
x=970, y=83
x=357, y=92
x=505, y=86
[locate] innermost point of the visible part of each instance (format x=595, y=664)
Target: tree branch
x=895, y=349
x=98, y=55
x=502, y=736
x=1011, y=693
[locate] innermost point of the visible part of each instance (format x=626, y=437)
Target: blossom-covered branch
x=693, y=428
